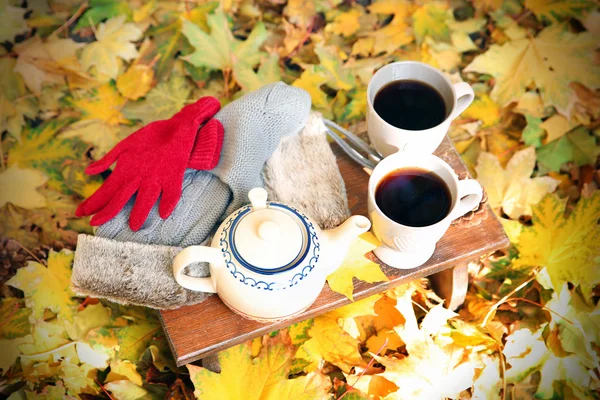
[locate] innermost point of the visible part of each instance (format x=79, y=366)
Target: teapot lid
x=268, y=237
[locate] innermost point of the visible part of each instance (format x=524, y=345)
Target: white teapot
x=268, y=261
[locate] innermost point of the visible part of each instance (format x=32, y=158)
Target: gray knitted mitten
x=254, y=126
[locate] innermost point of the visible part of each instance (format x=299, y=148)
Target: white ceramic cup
x=388, y=139
x=407, y=247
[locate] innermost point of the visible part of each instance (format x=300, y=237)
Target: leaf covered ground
x=76, y=77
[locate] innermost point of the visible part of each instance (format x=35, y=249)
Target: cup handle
x=469, y=197
x=193, y=254
x=464, y=97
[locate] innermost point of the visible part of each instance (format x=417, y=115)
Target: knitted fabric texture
x=254, y=126
x=302, y=172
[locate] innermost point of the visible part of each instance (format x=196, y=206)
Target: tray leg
x=451, y=284
x=211, y=363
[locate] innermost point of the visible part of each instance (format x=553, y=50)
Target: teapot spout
x=339, y=240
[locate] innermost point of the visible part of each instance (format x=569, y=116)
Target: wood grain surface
x=200, y=330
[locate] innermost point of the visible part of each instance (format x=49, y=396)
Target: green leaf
x=338, y=76
x=577, y=146
x=41, y=149
x=533, y=132
x=162, y=102
x=15, y=318
x=220, y=50
x=268, y=72
x=13, y=22
x=101, y=10
x=299, y=331
x=135, y=338
x=355, y=109
x=558, y=10
x=169, y=41
x=15, y=105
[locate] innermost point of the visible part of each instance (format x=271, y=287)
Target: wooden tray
x=203, y=329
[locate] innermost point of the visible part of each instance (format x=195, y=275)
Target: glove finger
x=145, y=200
x=171, y=194
x=105, y=162
x=207, y=148
x=102, y=196
x=199, y=112
x=116, y=204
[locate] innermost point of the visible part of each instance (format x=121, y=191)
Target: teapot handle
x=193, y=254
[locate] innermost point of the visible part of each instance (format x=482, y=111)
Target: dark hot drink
x=413, y=197
x=411, y=105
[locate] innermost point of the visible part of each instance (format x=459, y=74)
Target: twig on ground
x=73, y=18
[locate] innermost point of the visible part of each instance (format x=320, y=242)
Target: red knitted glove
x=152, y=162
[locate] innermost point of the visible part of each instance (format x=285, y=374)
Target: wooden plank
x=203, y=329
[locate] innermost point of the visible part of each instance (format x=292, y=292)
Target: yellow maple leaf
x=264, y=377
x=95, y=132
x=300, y=12
x=19, y=187
x=433, y=368
x=10, y=351
x=398, y=32
x=440, y=55
x=136, y=81
x=552, y=60
x=531, y=104
x=91, y=317
x=339, y=76
x=125, y=390
x=113, y=43
x=311, y=80
x=556, y=127
x=484, y=109
x=124, y=369
x=103, y=104
x=78, y=378
x=566, y=246
x=430, y=20
x=47, y=287
x=49, y=61
x=49, y=343
x=294, y=36
x=328, y=341
x=357, y=265
x=363, y=46
x=345, y=23
x=513, y=189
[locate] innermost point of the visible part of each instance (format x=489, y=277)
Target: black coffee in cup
x=411, y=105
x=413, y=197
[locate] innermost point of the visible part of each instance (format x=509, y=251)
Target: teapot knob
x=268, y=231
x=258, y=198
